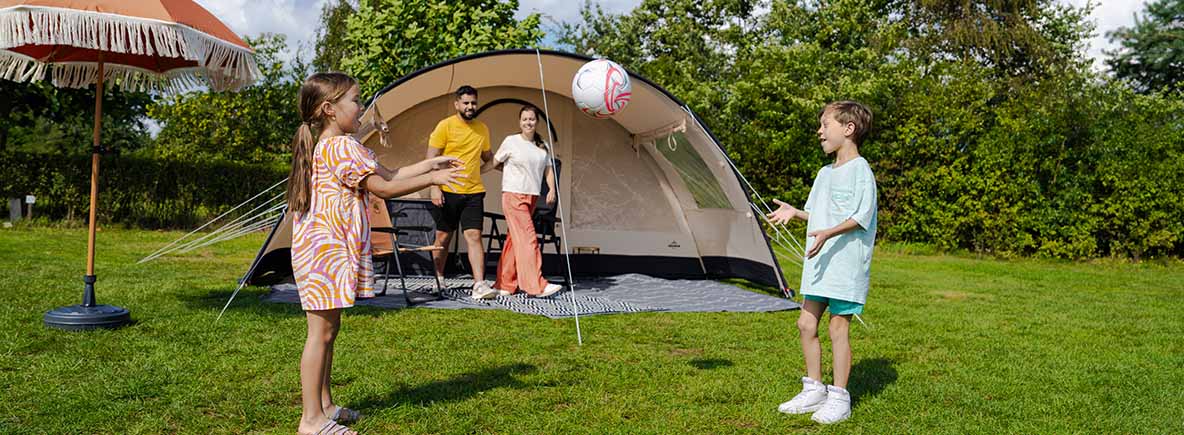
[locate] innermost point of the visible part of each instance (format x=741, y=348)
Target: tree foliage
x=331, y=46
x=388, y=39
x=1016, y=38
x=253, y=125
x=992, y=132
x=40, y=118
x=1151, y=56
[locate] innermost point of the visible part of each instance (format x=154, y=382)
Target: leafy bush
x=135, y=191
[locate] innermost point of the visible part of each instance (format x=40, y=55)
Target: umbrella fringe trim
x=227, y=66
x=19, y=68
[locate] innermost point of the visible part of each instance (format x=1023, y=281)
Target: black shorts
x=460, y=209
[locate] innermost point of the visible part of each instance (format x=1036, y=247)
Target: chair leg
x=402, y=279
x=386, y=277
x=559, y=252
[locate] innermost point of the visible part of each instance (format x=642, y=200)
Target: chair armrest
x=423, y=229
x=493, y=215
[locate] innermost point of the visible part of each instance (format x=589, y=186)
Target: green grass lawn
x=956, y=345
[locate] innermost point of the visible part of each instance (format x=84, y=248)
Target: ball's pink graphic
x=601, y=88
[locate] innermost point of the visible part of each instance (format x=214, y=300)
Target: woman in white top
x=525, y=163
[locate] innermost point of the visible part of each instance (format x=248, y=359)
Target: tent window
x=694, y=171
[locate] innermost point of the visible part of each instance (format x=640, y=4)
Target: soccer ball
x=601, y=88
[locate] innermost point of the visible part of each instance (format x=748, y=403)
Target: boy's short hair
x=851, y=112
x=466, y=90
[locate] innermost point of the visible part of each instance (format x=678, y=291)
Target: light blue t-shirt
x=841, y=269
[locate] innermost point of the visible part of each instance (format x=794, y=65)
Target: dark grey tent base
x=616, y=294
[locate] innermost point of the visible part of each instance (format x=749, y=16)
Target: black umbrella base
x=78, y=317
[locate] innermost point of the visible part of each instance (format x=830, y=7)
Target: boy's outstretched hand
x=784, y=212
x=820, y=237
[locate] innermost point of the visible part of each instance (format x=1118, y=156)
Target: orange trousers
x=521, y=262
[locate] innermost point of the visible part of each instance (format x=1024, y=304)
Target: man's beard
x=467, y=116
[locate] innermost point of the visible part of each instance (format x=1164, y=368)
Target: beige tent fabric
x=621, y=193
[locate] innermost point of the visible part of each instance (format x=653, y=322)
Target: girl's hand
x=551, y=198
x=443, y=162
x=451, y=176
x=783, y=214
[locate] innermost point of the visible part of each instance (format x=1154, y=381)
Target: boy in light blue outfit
x=840, y=234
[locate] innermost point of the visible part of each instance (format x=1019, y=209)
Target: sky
x=299, y=18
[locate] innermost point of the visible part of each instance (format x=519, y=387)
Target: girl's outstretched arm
x=425, y=166
x=397, y=187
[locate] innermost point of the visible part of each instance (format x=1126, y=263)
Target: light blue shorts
x=838, y=307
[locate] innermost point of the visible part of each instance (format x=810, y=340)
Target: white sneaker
x=837, y=407
x=503, y=292
x=549, y=290
x=482, y=290
x=811, y=398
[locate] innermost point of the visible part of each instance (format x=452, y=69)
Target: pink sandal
x=332, y=428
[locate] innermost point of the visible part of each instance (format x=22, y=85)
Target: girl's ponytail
x=300, y=179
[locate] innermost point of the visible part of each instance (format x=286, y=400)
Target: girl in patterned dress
x=327, y=196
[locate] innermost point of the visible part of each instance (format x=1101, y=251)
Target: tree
x=688, y=46
x=21, y=103
x=1015, y=38
x=1152, y=54
x=254, y=125
x=392, y=38
x=38, y=117
x=331, y=46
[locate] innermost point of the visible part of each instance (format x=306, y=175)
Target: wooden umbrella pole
x=88, y=296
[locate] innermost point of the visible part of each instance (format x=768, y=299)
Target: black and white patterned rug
x=631, y=293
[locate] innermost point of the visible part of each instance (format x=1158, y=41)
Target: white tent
x=648, y=191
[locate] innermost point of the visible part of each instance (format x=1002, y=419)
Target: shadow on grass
x=753, y=286
x=247, y=300
x=252, y=300
x=869, y=377
x=709, y=363
x=458, y=388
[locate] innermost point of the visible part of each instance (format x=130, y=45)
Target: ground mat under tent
x=629, y=293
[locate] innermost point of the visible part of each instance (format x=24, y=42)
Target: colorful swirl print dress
x=331, y=242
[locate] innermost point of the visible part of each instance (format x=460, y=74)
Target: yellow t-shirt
x=465, y=141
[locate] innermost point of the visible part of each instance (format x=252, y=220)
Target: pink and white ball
x=601, y=88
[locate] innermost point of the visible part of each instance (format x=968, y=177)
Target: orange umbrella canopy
x=147, y=45
x=165, y=46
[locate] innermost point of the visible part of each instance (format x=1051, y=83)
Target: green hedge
x=134, y=191
x=1068, y=167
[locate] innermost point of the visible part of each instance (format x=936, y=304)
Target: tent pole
x=559, y=202
x=90, y=315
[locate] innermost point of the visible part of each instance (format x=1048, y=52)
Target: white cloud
x=1108, y=15
x=297, y=19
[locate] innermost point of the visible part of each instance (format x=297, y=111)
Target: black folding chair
x=412, y=232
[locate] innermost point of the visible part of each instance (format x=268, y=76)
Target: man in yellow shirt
x=462, y=204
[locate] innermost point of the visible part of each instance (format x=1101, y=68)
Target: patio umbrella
x=159, y=46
